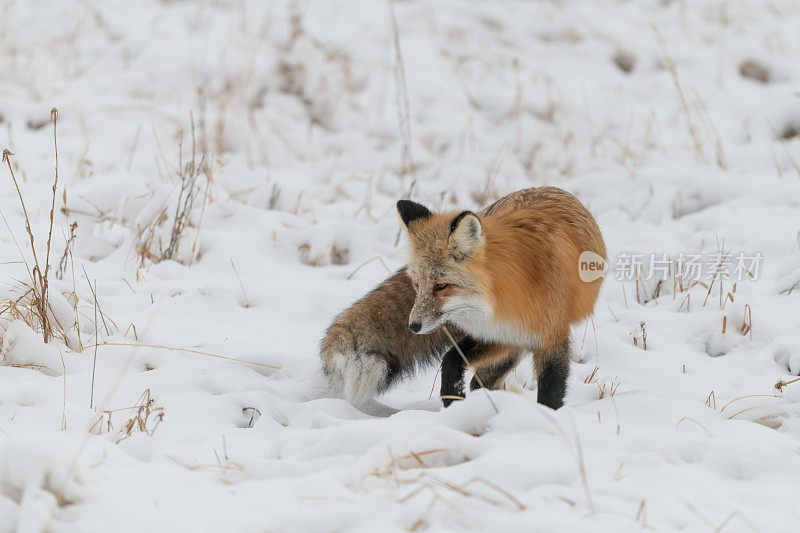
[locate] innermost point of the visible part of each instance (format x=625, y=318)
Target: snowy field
x=227, y=173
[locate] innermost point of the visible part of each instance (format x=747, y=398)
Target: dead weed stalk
x=149, y=242
x=36, y=294
x=439, y=488
x=146, y=418
x=186, y=196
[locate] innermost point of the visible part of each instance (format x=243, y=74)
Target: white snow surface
x=298, y=112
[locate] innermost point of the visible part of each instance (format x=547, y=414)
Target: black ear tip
x=411, y=211
x=456, y=221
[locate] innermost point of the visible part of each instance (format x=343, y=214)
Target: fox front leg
x=453, y=369
x=491, y=362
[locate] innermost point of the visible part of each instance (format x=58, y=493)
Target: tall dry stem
x=186, y=196
x=694, y=134
x=54, y=116
x=38, y=280
x=403, y=107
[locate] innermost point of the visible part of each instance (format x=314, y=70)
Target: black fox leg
x=453, y=369
x=492, y=375
x=394, y=371
x=552, y=374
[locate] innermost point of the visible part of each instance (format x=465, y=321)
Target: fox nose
x=415, y=327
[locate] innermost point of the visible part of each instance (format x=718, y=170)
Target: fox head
x=444, y=248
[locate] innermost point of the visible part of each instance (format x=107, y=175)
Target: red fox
x=505, y=280
x=509, y=279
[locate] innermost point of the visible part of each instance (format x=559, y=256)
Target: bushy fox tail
x=369, y=347
x=355, y=375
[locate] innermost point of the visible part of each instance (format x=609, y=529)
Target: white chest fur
x=477, y=320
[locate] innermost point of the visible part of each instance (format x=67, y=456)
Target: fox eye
x=416, y=286
x=440, y=287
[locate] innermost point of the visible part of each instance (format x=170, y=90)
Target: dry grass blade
x=69, y=475
x=733, y=515
x=96, y=303
x=784, y=145
x=699, y=515
x=613, y=387
x=582, y=464
x=693, y=131
x=224, y=461
x=7, y=160
x=791, y=289
x=54, y=116
x=368, y=261
x=576, y=450
x=62, y=264
x=431, y=483
x=94, y=361
x=749, y=396
x=255, y=414
x=642, y=336
x=185, y=350
x=451, y=397
x=641, y=514
x=690, y=419
x=711, y=400
x=423, y=521
x=747, y=322
x=500, y=490
x=403, y=108
x=591, y=378
x=717, y=271
x=719, y=148
x=742, y=411
x=196, y=244
x=433, y=386
x=721, y=526
x=241, y=285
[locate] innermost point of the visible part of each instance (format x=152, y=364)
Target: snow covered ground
x=295, y=126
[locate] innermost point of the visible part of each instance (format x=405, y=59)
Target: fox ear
x=466, y=233
x=411, y=211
